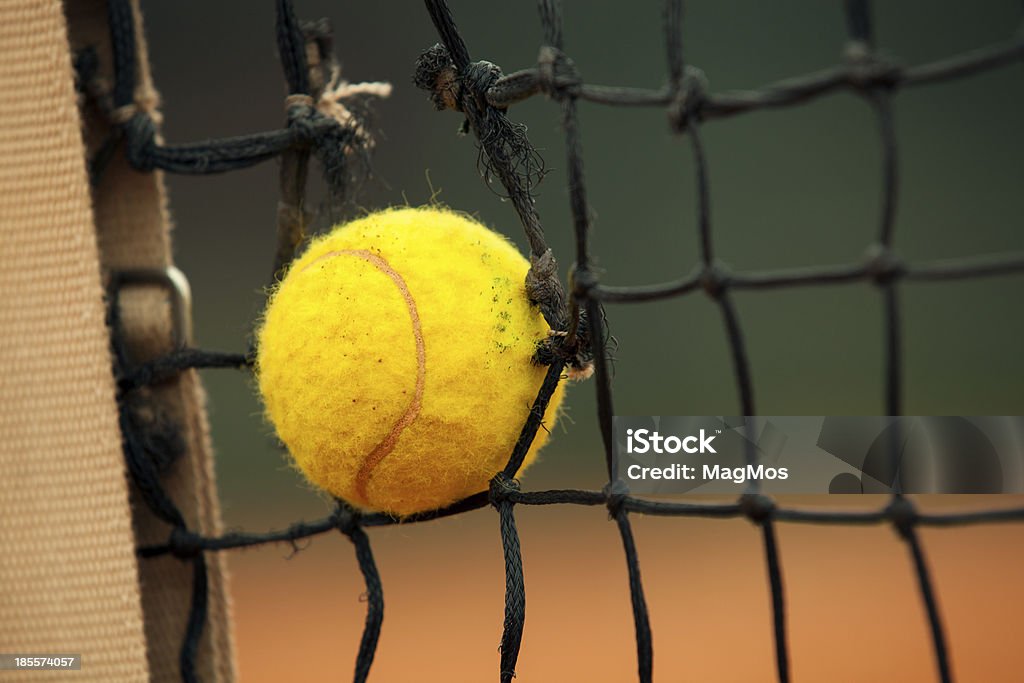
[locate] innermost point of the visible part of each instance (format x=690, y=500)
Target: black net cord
x=515, y=589
x=602, y=382
x=700, y=164
x=166, y=367
x=890, y=188
x=502, y=487
x=505, y=151
x=142, y=456
x=122, y=39
x=374, y=602
x=738, y=351
x=553, y=62
x=551, y=21
x=861, y=49
x=924, y=583
x=146, y=477
x=641, y=620
x=306, y=83
x=712, y=276
x=300, y=531
x=291, y=48
x=196, y=620
x=774, y=566
x=893, y=365
x=553, y=65
x=441, y=16
x=534, y=421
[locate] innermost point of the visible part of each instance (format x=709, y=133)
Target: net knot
x=305, y=122
x=346, y=518
x=615, y=494
x=342, y=101
x=542, y=284
x=478, y=78
x=557, y=76
x=571, y=345
x=338, y=138
x=140, y=147
x=688, y=100
x=883, y=266
x=99, y=91
x=583, y=283
x=868, y=68
x=435, y=72
x=757, y=507
x=713, y=280
x=572, y=350
x=184, y=544
x=502, y=488
x=903, y=515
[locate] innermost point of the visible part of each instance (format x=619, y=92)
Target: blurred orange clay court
x=853, y=607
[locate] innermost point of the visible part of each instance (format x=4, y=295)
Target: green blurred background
x=791, y=187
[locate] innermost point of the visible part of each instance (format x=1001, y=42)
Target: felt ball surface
x=395, y=359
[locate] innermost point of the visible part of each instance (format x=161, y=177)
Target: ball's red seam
x=390, y=440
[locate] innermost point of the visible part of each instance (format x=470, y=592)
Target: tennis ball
x=395, y=359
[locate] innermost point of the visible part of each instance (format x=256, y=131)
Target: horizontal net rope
x=482, y=94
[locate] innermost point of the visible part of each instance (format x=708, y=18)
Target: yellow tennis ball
x=395, y=359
